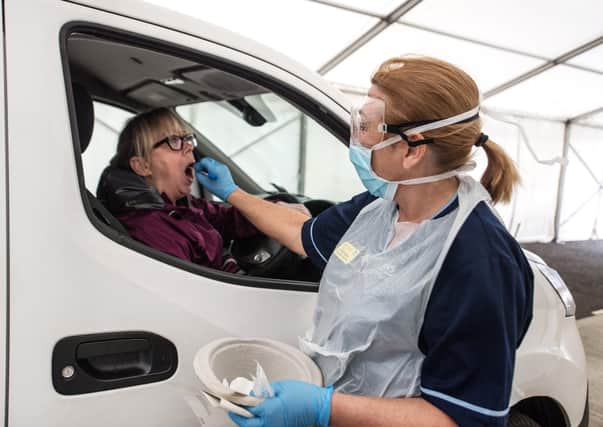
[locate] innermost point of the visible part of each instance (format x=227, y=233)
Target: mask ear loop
x=467, y=167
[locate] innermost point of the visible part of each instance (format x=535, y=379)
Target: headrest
x=121, y=190
x=84, y=114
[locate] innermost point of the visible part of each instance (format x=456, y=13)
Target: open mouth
x=189, y=171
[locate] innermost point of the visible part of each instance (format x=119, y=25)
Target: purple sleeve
x=229, y=221
x=150, y=229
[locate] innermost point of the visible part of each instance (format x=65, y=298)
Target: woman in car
x=425, y=296
x=148, y=188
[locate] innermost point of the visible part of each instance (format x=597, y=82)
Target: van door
x=73, y=285
x=3, y=241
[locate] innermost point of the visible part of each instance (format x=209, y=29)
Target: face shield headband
x=369, y=127
x=426, y=125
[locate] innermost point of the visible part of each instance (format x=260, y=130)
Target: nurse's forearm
x=276, y=221
x=351, y=411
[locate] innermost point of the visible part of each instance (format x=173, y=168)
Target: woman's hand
x=215, y=177
x=295, y=404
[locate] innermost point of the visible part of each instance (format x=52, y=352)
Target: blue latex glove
x=215, y=176
x=295, y=404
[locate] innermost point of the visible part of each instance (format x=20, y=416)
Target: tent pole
x=373, y=32
x=561, y=183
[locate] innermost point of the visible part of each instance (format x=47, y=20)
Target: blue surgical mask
x=378, y=187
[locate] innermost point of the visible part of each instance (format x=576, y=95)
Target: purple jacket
x=194, y=233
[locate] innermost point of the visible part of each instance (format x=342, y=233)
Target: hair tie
x=481, y=140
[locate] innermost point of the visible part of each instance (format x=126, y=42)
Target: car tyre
x=518, y=419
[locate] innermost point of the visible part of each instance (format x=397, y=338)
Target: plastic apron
x=372, y=301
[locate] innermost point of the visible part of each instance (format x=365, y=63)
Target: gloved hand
x=215, y=176
x=295, y=404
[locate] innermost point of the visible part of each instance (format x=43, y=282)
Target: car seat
x=121, y=190
x=84, y=109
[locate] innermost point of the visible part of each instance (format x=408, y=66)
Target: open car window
x=274, y=139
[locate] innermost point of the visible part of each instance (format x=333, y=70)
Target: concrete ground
x=591, y=329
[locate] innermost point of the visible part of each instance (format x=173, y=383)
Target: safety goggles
x=176, y=142
x=368, y=127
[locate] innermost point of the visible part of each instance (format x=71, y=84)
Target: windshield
x=282, y=145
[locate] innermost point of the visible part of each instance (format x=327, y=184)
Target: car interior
x=143, y=77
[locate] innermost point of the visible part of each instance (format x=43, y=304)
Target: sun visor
x=222, y=84
x=155, y=94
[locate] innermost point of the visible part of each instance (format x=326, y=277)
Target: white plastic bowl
x=236, y=357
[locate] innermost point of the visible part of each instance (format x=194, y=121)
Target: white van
x=100, y=330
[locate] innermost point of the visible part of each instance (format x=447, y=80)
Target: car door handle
x=115, y=359
x=96, y=362
x=108, y=347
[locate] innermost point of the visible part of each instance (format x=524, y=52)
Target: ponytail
x=501, y=175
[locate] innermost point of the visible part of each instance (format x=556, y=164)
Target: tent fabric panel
x=294, y=27
x=592, y=59
x=381, y=7
x=538, y=27
x=489, y=67
x=582, y=210
x=530, y=216
x=561, y=92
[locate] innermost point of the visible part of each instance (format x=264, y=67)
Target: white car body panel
x=168, y=18
x=3, y=242
x=66, y=278
x=79, y=274
x=551, y=361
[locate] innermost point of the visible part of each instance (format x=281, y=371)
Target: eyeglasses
x=176, y=143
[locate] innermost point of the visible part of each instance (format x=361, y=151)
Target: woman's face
x=171, y=172
x=386, y=162
x=396, y=161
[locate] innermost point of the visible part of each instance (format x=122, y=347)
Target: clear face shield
x=367, y=120
x=368, y=127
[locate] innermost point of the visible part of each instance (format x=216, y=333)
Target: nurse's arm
x=276, y=221
x=352, y=411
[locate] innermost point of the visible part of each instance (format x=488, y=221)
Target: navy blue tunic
x=478, y=313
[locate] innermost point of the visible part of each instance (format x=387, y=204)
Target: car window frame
x=322, y=115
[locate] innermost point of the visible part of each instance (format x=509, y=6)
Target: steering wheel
x=263, y=256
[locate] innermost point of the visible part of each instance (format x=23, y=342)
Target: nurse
x=425, y=296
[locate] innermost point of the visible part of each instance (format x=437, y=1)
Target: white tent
x=539, y=64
